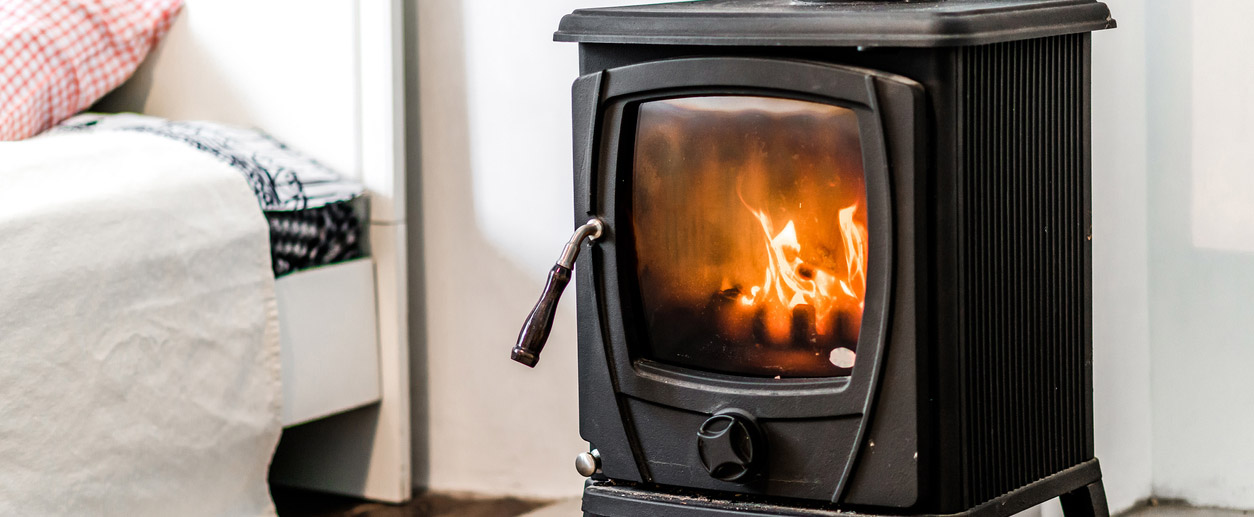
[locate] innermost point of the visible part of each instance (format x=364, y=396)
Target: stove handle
x=535, y=331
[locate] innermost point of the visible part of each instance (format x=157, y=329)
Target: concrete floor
x=563, y=508
x=292, y=502
x=1182, y=511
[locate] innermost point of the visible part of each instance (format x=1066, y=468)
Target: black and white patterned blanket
x=312, y=210
x=282, y=178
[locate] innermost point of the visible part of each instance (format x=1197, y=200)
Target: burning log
x=804, y=331
x=772, y=326
x=733, y=320
x=845, y=323
x=850, y=327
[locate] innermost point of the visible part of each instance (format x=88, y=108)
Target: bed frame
x=326, y=77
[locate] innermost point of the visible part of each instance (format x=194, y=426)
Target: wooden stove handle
x=535, y=331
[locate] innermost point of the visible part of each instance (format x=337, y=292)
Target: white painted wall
x=1173, y=252
x=221, y=61
x=1201, y=250
x=1121, y=353
x=496, y=207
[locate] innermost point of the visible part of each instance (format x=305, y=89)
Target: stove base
x=1079, y=487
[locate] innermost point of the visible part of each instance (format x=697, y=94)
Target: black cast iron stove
x=840, y=257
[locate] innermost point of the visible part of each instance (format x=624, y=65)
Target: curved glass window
x=749, y=222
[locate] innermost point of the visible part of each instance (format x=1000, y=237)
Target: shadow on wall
x=134, y=95
x=415, y=249
x=207, y=68
x=480, y=241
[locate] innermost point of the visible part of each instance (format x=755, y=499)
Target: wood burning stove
x=841, y=257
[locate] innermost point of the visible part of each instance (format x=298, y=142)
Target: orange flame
x=789, y=281
x=855, y=253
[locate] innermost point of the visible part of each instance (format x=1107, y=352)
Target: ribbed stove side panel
x=1023, y=299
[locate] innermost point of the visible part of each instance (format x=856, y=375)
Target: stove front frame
x=890, y=114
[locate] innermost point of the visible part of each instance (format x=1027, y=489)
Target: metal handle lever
x=535, y=331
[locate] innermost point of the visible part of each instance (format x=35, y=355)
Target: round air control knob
x=730, y=446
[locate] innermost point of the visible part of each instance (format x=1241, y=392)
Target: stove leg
x=1086, y=501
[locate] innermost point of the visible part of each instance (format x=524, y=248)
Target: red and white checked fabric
x=57, y=57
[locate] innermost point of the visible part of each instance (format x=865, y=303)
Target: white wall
x=1201, y=253
x=1121, y=353
x=1173, y=252
x=496, y=208
x=208, y=67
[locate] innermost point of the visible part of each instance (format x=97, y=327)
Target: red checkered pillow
x=57, y=57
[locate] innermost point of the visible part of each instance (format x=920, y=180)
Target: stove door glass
x=749, y=225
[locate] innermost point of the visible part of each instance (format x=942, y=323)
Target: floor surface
x=1183, y=511
x=302, y=503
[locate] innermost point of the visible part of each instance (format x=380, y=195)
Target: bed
x=331, y=86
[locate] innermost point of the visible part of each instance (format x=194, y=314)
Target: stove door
x=736, y=313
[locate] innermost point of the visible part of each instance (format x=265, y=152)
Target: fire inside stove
x=749, y=220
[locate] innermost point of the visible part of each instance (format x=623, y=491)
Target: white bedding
x=139, y=360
